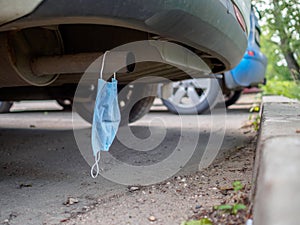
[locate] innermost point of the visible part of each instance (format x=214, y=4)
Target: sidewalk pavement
x=277, y=166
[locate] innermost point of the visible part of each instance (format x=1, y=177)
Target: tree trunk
x=285, y=44
x=291, y=62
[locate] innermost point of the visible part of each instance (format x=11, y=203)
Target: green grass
x=204, y=221
x=289, y=89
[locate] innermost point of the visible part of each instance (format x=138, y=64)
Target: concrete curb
x=277, y=163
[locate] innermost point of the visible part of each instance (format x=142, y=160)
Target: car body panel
x=191, y=96
x=14, y=9
x=199, y=24
x=252, y=68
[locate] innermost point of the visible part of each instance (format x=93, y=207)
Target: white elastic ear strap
x=95, y=168
x=102, y=66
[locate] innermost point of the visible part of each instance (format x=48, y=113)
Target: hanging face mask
x=106, y=118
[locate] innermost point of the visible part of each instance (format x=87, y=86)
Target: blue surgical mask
x=106, y=119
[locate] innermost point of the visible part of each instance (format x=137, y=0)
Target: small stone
x=195, y=211
x=141, y=200
x=71, y=201
x=225, y=188
x=13, y=215
x=134, y=188
x=198, y=206
x=64, y=220
x=85, y=208
x=152, y=218
x=24, y=186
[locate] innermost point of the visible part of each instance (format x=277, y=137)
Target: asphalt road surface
x=44, y=179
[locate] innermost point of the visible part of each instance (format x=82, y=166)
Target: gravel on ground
x=182, y=198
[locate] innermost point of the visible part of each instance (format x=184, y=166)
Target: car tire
x=132, y=106
x=232, y=97
x=5, y=107
x=128, y=109
x=208, y=99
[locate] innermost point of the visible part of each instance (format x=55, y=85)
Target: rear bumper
x=207, y=26
x=250, y=72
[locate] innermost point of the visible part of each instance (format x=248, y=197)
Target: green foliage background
x=281, y=35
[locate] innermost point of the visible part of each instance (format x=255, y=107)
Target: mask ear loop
x=102, y=65
x=95, y=168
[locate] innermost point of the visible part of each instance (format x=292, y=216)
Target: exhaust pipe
x=78, y=63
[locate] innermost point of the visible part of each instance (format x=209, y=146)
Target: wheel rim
x=189, y=93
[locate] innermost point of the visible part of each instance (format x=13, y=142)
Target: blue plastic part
x=252, y=68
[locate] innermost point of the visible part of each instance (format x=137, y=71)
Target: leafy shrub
x=289, y=89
